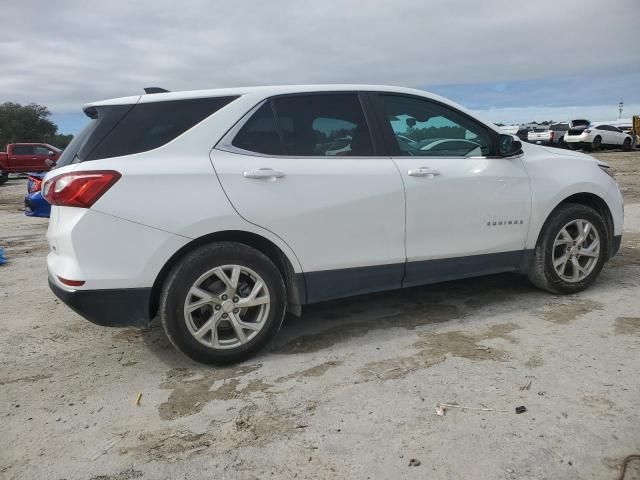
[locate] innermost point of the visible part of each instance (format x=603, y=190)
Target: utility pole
x=620, y=105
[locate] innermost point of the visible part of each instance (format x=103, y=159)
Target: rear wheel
x=626, y=145
x=4, y=176
x=571, y=250
x=222, y=303
x=596, y=144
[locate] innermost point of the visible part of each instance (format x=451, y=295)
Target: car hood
x=531, y=149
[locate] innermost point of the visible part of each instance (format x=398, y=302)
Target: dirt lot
x=346, y=391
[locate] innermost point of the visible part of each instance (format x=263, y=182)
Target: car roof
x=270, y=91
x=266, y=91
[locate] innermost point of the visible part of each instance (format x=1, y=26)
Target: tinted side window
x=22, y=150
x=150, y=125
x=323, y=125
x=423, y=128
x=41, y=150
x=260, y=133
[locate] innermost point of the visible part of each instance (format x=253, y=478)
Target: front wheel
x=4, y=176
x=571, y=250
x=222, y=303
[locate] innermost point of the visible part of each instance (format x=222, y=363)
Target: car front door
x=617, y=135
x=305, y=167
x=467, y=209
x=41, y=155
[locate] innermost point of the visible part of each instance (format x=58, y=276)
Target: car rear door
x=467, y=210
x=306, y=168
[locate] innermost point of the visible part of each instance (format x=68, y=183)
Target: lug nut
x=224, y=315
x=235, y=299
x=236, y=310
x=224, y=297
x=217, y=307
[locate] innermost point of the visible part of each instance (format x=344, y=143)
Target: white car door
x=617, y=135
x=467, y=210
x=314, y=180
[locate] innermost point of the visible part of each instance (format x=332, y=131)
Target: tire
x=596, y=144
x=543, y=274
x=178, y=324
x=4, y=176
x=626, y=145
x=561, y=143
x=570, y=146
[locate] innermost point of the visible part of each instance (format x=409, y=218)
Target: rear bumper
x=108, y=308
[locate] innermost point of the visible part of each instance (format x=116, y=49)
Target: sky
x=509, y=61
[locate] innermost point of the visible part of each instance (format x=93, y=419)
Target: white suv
x=220, y=210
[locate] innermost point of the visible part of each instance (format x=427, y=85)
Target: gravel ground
x=347, y=391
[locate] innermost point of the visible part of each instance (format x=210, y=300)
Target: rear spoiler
x=91, y=111
x=149, y=90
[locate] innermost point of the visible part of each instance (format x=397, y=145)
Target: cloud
x=66, y=53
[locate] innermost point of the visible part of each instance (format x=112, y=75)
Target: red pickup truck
x=27, y=157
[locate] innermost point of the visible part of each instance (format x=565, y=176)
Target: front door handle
x=423, y=172
x=263, y=174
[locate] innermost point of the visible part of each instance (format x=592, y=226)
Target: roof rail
x=155, y=90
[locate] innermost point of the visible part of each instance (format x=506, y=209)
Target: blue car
x=34, y=203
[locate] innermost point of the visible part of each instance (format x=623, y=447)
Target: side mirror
x=508, y=145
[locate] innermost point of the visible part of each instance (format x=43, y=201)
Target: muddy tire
x=222, y=303
x=626, y=145
x=596, y=145
x=4, y=176
x=563, y=263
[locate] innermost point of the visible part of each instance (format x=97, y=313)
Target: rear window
x=560, y=127
x=117, y=130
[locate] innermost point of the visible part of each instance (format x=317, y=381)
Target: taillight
x=551, y=133
x=78, y=189
x=71, y=283
x=36, y=184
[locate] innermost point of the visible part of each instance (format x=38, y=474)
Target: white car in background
x=252, y=214
x=584, y=134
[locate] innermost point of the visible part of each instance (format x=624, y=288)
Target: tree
x=29, y=123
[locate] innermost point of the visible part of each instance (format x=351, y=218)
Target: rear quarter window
x=117, y=130
x=150, y=125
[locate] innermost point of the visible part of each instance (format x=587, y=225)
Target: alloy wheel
x=227, y=306
x=576, y=250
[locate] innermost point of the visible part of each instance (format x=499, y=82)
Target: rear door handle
x=423, y=172
x=263, y=174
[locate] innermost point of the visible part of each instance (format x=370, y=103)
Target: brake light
x=36, y=184
x=78, y=189
x=551, y=133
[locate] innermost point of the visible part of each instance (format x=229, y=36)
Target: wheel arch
x=590, y=200
x=294, y=283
